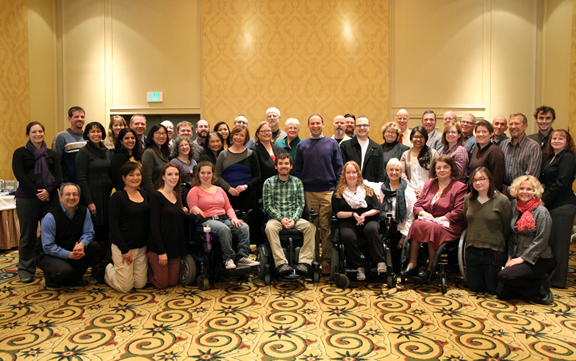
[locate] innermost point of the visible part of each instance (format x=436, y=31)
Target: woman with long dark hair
x=154, y=158
x=416, y=161
x=213, y=146
x=166, y=242
x=127, y=148
x=223, y=129
x=39, y=174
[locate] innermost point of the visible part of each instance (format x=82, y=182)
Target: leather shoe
x=407, y=272
x=546, y=299
x=425, y=275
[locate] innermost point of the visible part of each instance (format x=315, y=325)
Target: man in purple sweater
x=318, y=163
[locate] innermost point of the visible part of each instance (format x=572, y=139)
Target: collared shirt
x=435, y=141
x=289, y=148
x=405, y=138
x=524, y=158
x=283, y=199
x=48, y=233
x=470, y=144
x=499, y=140
x=342, y=140
x=542, y=141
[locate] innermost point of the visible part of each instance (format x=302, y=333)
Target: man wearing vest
x=67, y=249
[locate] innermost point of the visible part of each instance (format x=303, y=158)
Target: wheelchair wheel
x=462, y=255
x=187, y=270
x=334, y=263
x=443, y=285
x=342, y=281
x=315, y=276
x=267, y=279
x=391, y=280
x=203, y=283
x=263, y=260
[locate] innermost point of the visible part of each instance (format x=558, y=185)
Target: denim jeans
x=482, y=267
x=224, y=230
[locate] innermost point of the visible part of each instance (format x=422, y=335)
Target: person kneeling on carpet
x=65, y=249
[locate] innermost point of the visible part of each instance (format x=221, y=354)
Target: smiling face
x=239, y=138
x=452, y=136
x=70, y=198
x=443, y=171
x=351, y=176
x=482, y=135
x=284, y=167
x=362, y=127
x=265, y=134
x=525, y=192
x=429, y=122
x=481, y=183
x=205, y=175
x=241, y=121
x=184, y=149
x=292, y=130
x=129, y=141
x=214, y=143
x=558, y=141
x=223, y=131
x=517, y=127
x=350, y=128
x=36, y=134
x=117, y=127
x=77, y=121
x=273, y=119
x=500, y=125
x=339, y=126
x=449, y=117
x=316, y=126
x=394, y=172
x=185, y=131
x=138, y=123
x=390, y=135
x=402, y=120
x=160, y=137
x=133, y=179
x=95, y=135
x=202, y=128
x=418, y=140
x=171, y=177
x=467, y=123
x=544, y=121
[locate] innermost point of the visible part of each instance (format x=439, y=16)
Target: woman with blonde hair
x=117, y=123
x=356, y=207
x=529, y=254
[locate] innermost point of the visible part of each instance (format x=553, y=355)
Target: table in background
x=9, y=226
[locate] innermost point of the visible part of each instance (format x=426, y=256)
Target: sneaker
x=302, y=268
x=245, y=261
x=229, y=264
x=284, y=269
x=360, y=275
x=381, y=267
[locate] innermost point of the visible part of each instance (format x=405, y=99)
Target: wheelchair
x=203, y=259
x=291, y=241
x=340, y=266
x=452, y=250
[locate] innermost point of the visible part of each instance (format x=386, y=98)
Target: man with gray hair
x=273, y=118
x=339, y=125
x=242, y=122
x=292, y=139
x=402, y=119
x=170, y=131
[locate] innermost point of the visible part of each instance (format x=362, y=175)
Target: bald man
x=500, y=124
x=339, y=125
x=449, y=117
x=402, y=119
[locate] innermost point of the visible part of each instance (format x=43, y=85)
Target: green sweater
x=488, y=224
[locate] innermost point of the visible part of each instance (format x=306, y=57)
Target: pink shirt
x=212, y=204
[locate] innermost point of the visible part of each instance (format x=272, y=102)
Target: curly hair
x=536, y=185
x=175, y=151
x=570, y=147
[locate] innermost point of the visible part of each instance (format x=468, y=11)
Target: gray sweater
x=531, y=244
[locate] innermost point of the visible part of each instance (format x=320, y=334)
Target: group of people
x=134, y=190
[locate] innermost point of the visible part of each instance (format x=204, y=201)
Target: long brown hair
x=196, y=176
x=178, y=188
x=570, y=147
x=342, y=183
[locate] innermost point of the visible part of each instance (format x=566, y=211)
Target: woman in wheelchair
x=398, y=201
x=488, y=213
x=211, y=203
x=439, y=210
x=356, y=207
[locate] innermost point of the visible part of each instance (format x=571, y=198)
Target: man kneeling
x=67, y=249
x=283, y=197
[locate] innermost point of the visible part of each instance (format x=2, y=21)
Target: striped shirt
x=283, y=199
x=524, y=158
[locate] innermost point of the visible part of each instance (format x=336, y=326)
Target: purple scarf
x=43, y=178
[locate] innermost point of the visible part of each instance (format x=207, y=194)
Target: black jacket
x=373, y=168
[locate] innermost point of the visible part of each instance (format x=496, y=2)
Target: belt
x=221, y=217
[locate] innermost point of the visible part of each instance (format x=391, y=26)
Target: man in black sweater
x=66, y=250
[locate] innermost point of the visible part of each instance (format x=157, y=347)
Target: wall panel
x=300, y=56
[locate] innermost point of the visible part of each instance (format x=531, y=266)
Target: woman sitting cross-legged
x=529, y=254
x=356, y=206
x=211, y=202
x=488, y=213
x=129, y=219
x=439, y=210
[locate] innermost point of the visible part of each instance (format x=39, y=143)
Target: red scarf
x=526, y=221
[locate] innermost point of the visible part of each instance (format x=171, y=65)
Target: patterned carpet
x=285, y=321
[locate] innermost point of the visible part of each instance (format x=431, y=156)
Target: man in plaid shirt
x=283, y=197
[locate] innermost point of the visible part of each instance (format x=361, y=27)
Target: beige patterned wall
x=14, y=81
x=301, y=56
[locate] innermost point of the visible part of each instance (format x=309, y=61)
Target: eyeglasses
x=160, y=133
x=265, y=131
x=362, y=125
x=452, y=132
x=272, y=116
x=450, y=118
x=418, y=137
x=476, y=180
x=466, y=122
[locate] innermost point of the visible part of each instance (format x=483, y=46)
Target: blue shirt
x=48, y=233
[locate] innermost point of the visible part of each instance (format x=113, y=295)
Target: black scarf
x=43, y=179
x=400, y=195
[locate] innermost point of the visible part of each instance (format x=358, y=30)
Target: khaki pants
x=273, y=228
x=123, y=277
x=321, y=203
